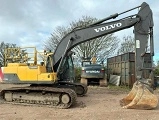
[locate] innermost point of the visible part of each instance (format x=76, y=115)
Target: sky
x=31, y=22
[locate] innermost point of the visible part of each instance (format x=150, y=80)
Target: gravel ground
x=98, y=104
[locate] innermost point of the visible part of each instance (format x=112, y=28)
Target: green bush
x=77, y=74
x=156, y=72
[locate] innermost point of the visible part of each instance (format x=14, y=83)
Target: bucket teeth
x=139, y=98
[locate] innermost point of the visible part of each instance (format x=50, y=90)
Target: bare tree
x=128, y=45
x=2, y=51
x=102, y=47
x=55, y=38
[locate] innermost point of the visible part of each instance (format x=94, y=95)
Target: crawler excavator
x=51, y=84
x=93, y=73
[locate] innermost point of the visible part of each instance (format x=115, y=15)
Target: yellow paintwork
x=30, y=73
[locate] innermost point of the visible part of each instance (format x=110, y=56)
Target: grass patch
x=119, y=88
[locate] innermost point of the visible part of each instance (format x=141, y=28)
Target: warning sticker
x=137, y=43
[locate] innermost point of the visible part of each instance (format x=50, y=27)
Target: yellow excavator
x=52, y=83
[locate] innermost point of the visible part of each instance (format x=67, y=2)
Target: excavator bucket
x=139, y=97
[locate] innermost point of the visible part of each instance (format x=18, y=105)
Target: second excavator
x=53, y=84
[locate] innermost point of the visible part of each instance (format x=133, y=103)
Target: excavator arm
x=143, y=31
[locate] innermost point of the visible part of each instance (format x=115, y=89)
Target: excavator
x=52, y=84
x=93, y=72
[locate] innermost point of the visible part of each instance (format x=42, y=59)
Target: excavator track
x=40, y=96
x=81, y=89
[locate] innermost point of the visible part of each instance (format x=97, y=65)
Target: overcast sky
x=30, y=22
